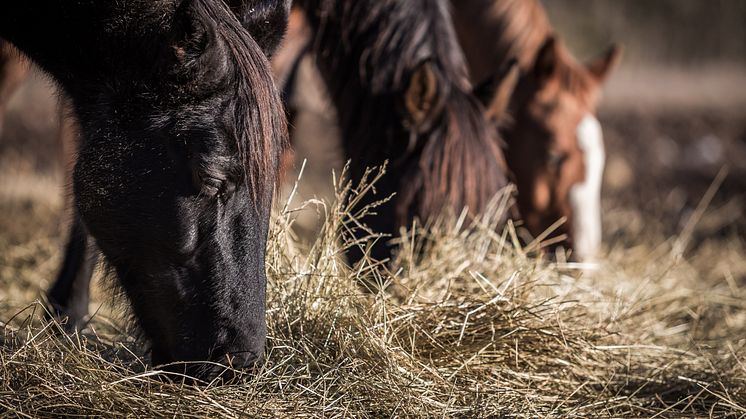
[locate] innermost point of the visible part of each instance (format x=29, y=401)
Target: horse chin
x=585, y=197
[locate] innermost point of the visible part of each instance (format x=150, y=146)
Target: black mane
x=257, y=112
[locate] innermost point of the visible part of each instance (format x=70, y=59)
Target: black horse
x=399, y=82
x=181, y=131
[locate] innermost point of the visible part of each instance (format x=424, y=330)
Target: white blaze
x=585, y=197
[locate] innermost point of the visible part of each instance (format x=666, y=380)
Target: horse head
x=181, y=130
x=555, y=145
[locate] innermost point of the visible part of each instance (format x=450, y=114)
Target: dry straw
x=463, y=323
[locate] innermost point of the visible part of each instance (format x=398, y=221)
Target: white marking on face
x=585, y=197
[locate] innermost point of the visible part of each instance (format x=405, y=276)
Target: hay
x=464, y=323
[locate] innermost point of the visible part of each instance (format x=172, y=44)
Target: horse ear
x=193, y=33
x=495, y=92
x=265, y=20
x=547, y=60
x=423, y=100
x=602, y=67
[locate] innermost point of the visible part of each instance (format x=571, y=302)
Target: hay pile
x=465, y=323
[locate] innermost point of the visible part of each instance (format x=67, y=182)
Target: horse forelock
x=461, y=164
x=260, y=124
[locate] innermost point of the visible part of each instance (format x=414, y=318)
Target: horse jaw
x=585, y=197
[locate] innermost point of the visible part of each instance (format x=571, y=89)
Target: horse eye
x=555, y=159
x=227, y=190
x=210, y=187
x=220, y=189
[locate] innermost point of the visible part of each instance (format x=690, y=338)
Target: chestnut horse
x=181, y=129
x=400, y=86
x=555, y=148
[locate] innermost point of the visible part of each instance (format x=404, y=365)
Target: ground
x=471, y=327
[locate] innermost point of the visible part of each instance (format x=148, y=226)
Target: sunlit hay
x=462, y=323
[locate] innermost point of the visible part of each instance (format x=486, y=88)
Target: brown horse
x=13, y=71
x=554, y=143
x=400, y=86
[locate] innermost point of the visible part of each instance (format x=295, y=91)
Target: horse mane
x=261, y=129
x=461, y=164
x=368, y=52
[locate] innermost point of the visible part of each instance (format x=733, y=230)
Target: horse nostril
x=205, y=372
x=232, y=367
x=207, y=363
x=247, y=362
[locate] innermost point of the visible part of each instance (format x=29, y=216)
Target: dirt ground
x=661, y=165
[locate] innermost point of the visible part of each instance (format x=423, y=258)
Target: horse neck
x=514, y=28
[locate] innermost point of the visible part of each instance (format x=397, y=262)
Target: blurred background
x=691, y=33
x=674, y=116
x=679, y=53
x=674, y=113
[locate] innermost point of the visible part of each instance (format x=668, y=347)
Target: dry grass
x=466, y=323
